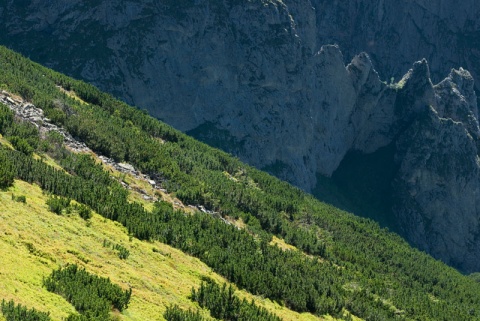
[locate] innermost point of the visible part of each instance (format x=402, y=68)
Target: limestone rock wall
x=437, y=188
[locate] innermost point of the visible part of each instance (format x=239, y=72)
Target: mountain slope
x=36, y=241
x=257, y=79
x=342, y=263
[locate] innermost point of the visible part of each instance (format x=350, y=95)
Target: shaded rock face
x=396, y=33
x=436, y=190
x=255, y=78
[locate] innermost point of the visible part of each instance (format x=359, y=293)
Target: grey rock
x=396, y=33
x=437, y=199
x=125, y=167
x=437, y=187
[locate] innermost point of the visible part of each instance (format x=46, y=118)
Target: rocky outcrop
x=435, y=131
x=436, y=190
x=256, y=79
x=27, y=112
x=396, y=33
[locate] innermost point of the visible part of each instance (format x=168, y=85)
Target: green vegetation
x=35, y=241
x=20, y=199
x=84, y=211
x=6, y=172
x=174, y=313
x=122, y=251
x=23, y=136
x=341, y=263
x=288, y=277
x=92, y=296
x=18, y=134
x=225, y=305
x=58, y=204
x=13, y=312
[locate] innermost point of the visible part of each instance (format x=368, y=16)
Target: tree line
x=175, y=313
x=223, y=304
x=17, y=312
x=92, y=296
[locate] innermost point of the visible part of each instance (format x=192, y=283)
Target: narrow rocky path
x=26, y=111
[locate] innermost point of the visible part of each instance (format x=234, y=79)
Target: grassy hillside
x=328, y=262
x=34, y=241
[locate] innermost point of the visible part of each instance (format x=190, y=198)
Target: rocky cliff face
x=256, y=78
x=396, y=33
x=436, y=190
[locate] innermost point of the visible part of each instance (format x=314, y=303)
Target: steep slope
x=255, y=79
x=340, y=264
x=35, y=241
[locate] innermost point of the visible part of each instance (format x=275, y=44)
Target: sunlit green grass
x=34, y=241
